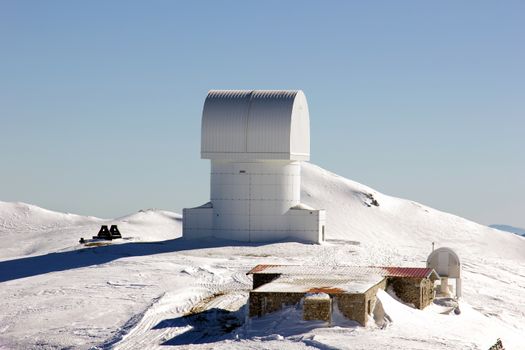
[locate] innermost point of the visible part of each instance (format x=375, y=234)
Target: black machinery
x=105, y=234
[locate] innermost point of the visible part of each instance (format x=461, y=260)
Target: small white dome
x=446, y=262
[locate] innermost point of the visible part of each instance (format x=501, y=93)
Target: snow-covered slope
x=136, y=294
x=27, y=229
x=507, y=228
x=397, y=222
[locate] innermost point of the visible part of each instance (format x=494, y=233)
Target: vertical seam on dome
x=250, y=95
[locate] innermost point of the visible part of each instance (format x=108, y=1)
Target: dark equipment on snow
x=103, y=234
x=115, y=233
x=110, y=234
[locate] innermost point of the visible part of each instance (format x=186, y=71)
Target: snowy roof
x=321, y=284
x=317, y=295
x=302, y=206
x=385, y=271
x=255, y=124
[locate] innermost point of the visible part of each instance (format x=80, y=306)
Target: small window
x=242, y=171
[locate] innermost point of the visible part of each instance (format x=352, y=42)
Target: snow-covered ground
x=507, y=228
x=154, y=288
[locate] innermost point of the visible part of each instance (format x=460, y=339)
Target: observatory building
x=446, y=262
x=256, y=140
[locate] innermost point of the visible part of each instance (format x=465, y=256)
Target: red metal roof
x=418, y=272
x=386, y=271
x=262, y=267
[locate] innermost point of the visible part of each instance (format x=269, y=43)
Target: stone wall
x=317, y=309
x=408, y=290
x=262, y=278
x=427, y=292
x=352, y=306
x=416, y=291
x=357, y=307
x=371, y=296
x=262, y=303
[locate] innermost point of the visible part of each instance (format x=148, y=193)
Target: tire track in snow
x=214, y=288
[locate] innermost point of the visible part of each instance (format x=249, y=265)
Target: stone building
x=418, y=291
x=317, y=306
x=351, y=289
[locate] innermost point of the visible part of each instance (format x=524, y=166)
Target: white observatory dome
x=260, y=124
x=255, y=141
x=447, y=264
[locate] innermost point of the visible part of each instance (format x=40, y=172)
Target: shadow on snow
x=215, y=325
x=84, y=257
x=207, y=326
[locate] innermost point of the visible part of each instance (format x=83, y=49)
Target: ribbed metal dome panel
x=255, y=124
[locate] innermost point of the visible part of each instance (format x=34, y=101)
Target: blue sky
x=100, y=101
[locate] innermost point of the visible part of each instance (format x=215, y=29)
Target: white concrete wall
x=307, y=225
x=197, y=223
x=249, y=197
x=252, y=202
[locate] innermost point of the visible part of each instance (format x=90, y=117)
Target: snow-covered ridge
x=27, y=229
x=148, y=214
x=16, y=214
x=19, y=214
x=359, y=213
x=508, y=228
x=354, y=212
x=137, y=293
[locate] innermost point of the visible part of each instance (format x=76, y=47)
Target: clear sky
x=100, y=101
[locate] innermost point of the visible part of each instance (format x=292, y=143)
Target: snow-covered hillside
x=155, y=288
x=507, y=228
x=28, y=230
x=401, y=223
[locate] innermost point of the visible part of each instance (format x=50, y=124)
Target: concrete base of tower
x=299, y=223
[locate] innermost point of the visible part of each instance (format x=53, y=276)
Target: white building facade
x=255, y=140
